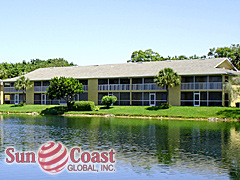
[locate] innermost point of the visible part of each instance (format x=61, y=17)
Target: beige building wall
x=175, y=95
x=234, y=98
x=225, y=65
x=30, y=95
x=93, y=90
x=223, y=90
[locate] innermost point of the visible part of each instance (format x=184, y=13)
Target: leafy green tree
x=65, y=88
x=182, y=57
x=167, y=77
x=232, y=52
x=149, y=55
x=108, y=100
x=22, y=83
x=145, y=56
x=10, y=70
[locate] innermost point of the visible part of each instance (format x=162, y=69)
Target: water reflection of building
x=140, y=144
x=1, y=125
x=211, y=148
x=202, y=141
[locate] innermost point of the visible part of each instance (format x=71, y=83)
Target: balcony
x=40, y=88
x=148, y=86
x=85, y=88
x=126, y=87
x=114, y=87
x=201, y=85
x=44, y=88
x=11, y=89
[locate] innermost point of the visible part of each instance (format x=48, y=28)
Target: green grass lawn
x=23, y=109
x=175, y=111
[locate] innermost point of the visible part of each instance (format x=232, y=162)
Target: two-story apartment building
x=202, y=83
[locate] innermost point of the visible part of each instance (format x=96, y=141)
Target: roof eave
x=181, y=74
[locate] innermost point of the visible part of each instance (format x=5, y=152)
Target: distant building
x=202, y=83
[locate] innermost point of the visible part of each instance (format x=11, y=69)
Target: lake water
x=145, y=149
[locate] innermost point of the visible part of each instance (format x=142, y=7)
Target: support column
x=175, y=95
x=30, y=95
x=93, y=90
x=130, y=91
x=223, y=90
x=1, y=94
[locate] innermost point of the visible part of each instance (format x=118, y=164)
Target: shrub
x=96, y=109
x=81, y=106
x=108, y=100
x=22, y=104
x=54, y=110
x=165, y=106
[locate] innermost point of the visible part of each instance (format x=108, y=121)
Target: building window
x=41, y=98
x=206, y=98
x=102, y=81
x=84, y=82
x=201, y=79
x=215, y=78
x=38, y=83
x=149, y=80
x=100, y=96
x=187, y=79
x=7, y=84
x=46, y=83
x=142, y=98
x=137, y=96
x=37, y=98
x=113, y=81
x=7, y=98
x=215, y=96
x=83, y=97
x=137, y=81
x=124, y=98
x=124, y=81
x=187, y=96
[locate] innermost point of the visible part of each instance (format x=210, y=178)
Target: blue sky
x=108, y=31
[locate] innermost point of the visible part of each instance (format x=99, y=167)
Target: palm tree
x=22, y=83
x=167, y=77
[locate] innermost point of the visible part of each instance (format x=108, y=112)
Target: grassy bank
x=175, y=111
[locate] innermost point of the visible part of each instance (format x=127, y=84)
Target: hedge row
x=81, y=106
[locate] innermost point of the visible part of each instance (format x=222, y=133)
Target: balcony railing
x=202, y=85
x=11, y=89
x=148, y=86
x=40, y=88
x=114, y=87
x=44, y=88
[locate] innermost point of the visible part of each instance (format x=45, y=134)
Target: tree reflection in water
x=146, y=146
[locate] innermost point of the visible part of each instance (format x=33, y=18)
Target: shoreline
x=210, y=119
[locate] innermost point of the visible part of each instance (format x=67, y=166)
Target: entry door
x=152, y=99
x=196, y=99
x=16, y=99
x=44, y=99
